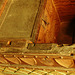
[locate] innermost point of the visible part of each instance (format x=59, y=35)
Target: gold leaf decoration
x=57, y=73
x=65, y=62
x=2, y=60
x=47, y=61
x=13, y=60
x=30, y=61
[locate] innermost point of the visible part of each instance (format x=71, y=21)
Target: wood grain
x=65, y=9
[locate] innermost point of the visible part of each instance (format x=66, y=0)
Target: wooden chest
x=37, y=37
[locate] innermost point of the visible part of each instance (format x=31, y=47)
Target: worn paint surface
x=18, y=18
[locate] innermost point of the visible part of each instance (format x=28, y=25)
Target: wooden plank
x=49, y=29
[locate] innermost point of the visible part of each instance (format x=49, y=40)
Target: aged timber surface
x=1, y=2
x=20, y=47
x=66, y=7
x=18, y=18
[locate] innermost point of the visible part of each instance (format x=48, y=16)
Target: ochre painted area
x=3, y=6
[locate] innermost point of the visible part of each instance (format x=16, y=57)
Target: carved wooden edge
x=14, y=63
x=37, y=59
